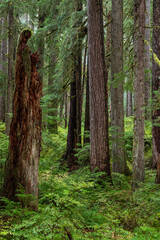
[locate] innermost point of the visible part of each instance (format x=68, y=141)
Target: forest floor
x=80, y=205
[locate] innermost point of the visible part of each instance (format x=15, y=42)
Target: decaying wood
x=25, y=130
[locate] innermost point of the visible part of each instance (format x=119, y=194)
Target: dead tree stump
x=25, y=130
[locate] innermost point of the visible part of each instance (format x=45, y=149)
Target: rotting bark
x=25, y=130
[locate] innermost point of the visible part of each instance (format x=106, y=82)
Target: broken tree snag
x=25, y=130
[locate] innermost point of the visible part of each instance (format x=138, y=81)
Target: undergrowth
x=81, y=205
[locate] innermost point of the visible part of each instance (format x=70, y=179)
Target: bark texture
x=99, y=151
x=25, y=131
x=139, y=93
x=147, y=61
x=156, y=89
x=87, y=115
x=10, y=66
x=129, y=104
x=117, y=109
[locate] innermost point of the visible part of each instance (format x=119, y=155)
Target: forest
x=79, y=119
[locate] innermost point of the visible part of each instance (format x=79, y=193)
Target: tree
x=139, y=76
x=74, y=126
x=10, y=65
x=156, y=88
x=87, y=115
x=25, y=130
x=99, y=150
x=117, y=109
x=2, y=78
x=129, y=107
x=147, y=61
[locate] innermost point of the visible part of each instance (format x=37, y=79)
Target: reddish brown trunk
x=25, y=129
x=99, y=159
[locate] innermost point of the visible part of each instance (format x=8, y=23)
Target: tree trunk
x=66, y=109
x=53, y=91
x=4, y=68
x=78, y=73
x=25, y=131
x=139, y=92
x=117, y=109
x=40, y=42
x=72, y=130
x=129, y=105
x=10, y=67
x=2, y=84
x=147, y=62
x=99, y=159
x=87, y=115
x=156, y=89
x=74, y=126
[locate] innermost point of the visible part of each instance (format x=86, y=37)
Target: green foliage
x=3, y=151
x=78, y=205
x=53, y=147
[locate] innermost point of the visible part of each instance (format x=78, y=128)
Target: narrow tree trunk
x=78, y=73
x=53, y=90
x=10, y=67
x=108, y=45
x=139, y=92
x=2, y=95
x=72, y=130
x=4, y=67
x=25, y=131
x=84, y=74
x=129, y=105
x=66, y=109
x=147, y=62
x=74, y=126
x=156, y=89
x=87, y=115
x=99, y=159
x=40, y=41
x=117, y=108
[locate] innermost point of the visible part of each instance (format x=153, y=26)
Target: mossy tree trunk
x=25, y=130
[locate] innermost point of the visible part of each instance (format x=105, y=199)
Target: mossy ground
x=81, y=206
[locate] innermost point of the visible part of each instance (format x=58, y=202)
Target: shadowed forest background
x=79, y=119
